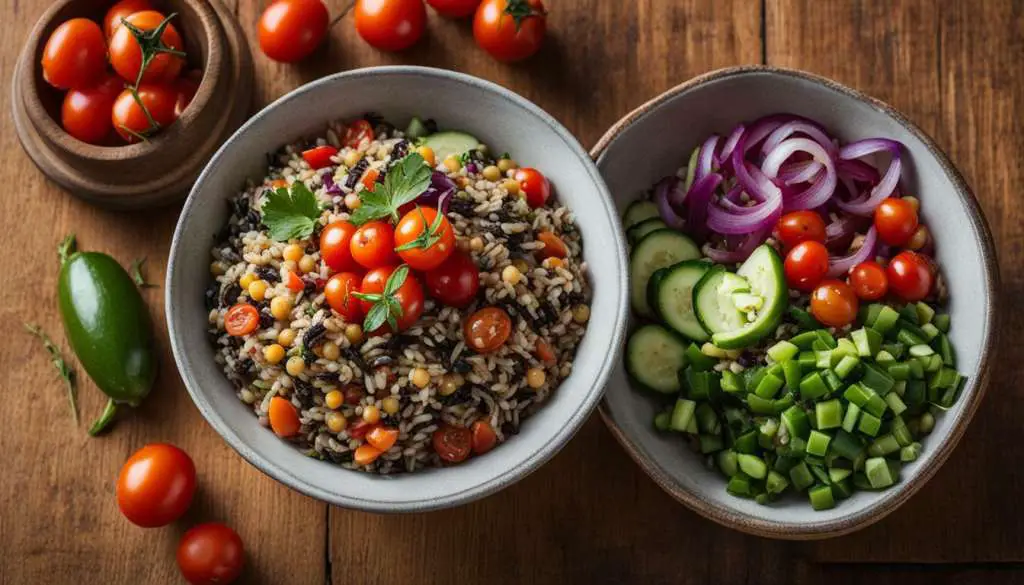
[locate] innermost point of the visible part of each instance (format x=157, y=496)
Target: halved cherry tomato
x=554, y=247
x=284, y=418
x=452, y=443
x=373, y=245
x=86, y=113
x=896, y=221
x=339, y=291
x=544, y=352
x=335, y=242
x=484, y=437
x=369, y=179
x=505, y=36
x=156, y=485
x=834, y=303
x=409, y=296
x=487, y=329
x=390, y=25
x=534, y=185
x=357, y=133
x=454, y=8
x=800, y=226
x=911, y=276
x=294, y=283
x=382, y=437
x=75, y=55
x=290, y=30
x=210, y=554
x=806, y=265
x=129, y=118
x=126, y=55
x=319, y=157
x=185, y=89
x=456, y=281
x=419, y=247
x=241, y=319
x=869, y=281
x=122, y=9
x=361, y=428
x=366, y=454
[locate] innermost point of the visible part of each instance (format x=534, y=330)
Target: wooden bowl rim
x=832, y=528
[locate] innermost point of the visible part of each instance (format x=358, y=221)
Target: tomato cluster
x=146, y=90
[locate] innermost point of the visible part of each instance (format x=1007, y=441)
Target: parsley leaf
x=406, y=181
x=386, y=306
x=63, y=369
x=290, y=214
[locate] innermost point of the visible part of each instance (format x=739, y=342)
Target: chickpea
x=331, y=351
x=919, y=239
x=293, y=252
x=452, y=164
x=217, y=268
x=390, y=405
x=295, y=366
x=354, y=333
x=336, y=422
x=246, y=279
x=281, y=308
x=491, y=173
x=476, y=244
x=506, y=164
x=307, y=264
x=258, y=290
x=511, y=275
x=914, y=202
x=334, y=399
x=351, y=158
x=535, y=377
x=419, y=377
x=428, y=155
x=273, y=353
x=521, y=265
x=581, y=314
x=353, y=202
x=371, y=414
x=286, y=337
x=447, y=387
x=511, y=185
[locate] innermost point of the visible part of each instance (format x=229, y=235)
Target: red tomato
x=554, y=247
x=360, y=429
x=484, y=437
x=534, y=185
x=290, y=30
x=335, y=242
x=409, y=295
x=382, y=438
x=75, y=55
x=869, y=281
x=126, y=55
x=806, y=265
x=357, y=133
x=185, y=88
x=86, y=113
x=910, y=276
x=391, y=25
x=487, y=329
x=506, y=37
x=320, y=156
x=456, y=281
x=210, y=554
x=800, y=226
x=293, y=282
x=130, y=119
x=454, y=8
x=339, y=291
x=420, y=248
x=544, y=352
x=284, y=418
x=241, y=319
x=373, y=245
x=452, y=443
x=896, y=221
x=156, y=485
x=369, y=180
x=122, y=9
x=834, y=303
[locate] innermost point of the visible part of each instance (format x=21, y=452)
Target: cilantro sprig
x=61, y=365
x=290, y=213
x=404, y=183
x=428, y=237
x=386, y=306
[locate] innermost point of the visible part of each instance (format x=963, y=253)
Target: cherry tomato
x=130, y=119
x=417, y=245
x=320, y=156
x=806, y=265
x=293, y=282
x=454, y=8
x=339, y=291
x=456, y=281
x=75, y=55
x=357, y=133
x=869, y=281
x=185, y=89
x=544, y=352
x=896, y=221
x=554, y=247
x=506, y=37
x=86, y=113
x=391, y=25
x=210, y=554
x=834, y=303
x=534, y=186
x=290, y=30
x=487, y=329
x=373, y=245
x=800, y=226
x=910, y=276
x=366, y=454
x=126, y=55
x=284, y=418
x=361, y=428
x=122, y=9
x=335, y=242
x=452, y=443
x=409, y=295
x=382, y=437
x=156, y=485
x=241, y=319
x=484, y=437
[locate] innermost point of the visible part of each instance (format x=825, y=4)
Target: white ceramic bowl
x=504, y=121
x=657, y=138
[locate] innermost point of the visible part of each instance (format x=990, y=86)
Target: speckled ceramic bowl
x=657, y=138
x=503, y=120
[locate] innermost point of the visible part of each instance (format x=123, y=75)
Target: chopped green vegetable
x=290, y=212
x=61, y=365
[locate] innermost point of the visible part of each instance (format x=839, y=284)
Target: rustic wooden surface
x=589, y=516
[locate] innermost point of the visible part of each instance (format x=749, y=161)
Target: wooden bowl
x=162, y=169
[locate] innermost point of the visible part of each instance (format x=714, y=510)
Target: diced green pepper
x=899, y=371
x=682, y=414
x=776, y=483
x=867, y=340
x=791, y=372
x=727, y=464
x=732, y=383
x=817, y=443
x=901, y=431
x=796, y=422
x=760, y=405
x=824, y=359
x=869, y=424
x=697, y=360
x=710, y=444
x=801, y=476
x=829, y=414
x=752, y=465
x=851, y=417
x=842, y=489
x=808, y=360
x=883, y=446
x=739, y=485
x=946, y=352
x=821, y=497
x=662, y=420
x=812, y=386
x=878, y=473
x=907, y=337
x=909, y=313
x=930, y=331
x=916, y=394
x=779, y=405
x=846, y=366
x=804, y=340
x=847, y=445
x=910, y=452
x=942, y=322
x=783, y=351
x=803, y=319
x=886, y=320
x=885, y=358
x=924, y=313
x=837, y=475
x=876, y=379
x=769, y=386
x=831, y=380
x=895, y=403
x=895, y=349
x=826, y=338
x=707, y=419
x=921, y=350
x=746, y=443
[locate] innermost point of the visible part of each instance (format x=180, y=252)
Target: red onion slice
x=799, y=172
x=741, y=252
x=801, y=126
x=661, y=199
x=838, y=267
x=697, y=204
x=706, y=158
x=725, y=157
x=753, y=218
x=819, y=191
x=886, y=186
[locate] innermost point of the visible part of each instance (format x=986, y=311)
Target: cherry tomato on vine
x=454, y=8
x=510, y=30
x=800, y=226
x=335, y=245
x=210, y=554
x=487, y=329
x=338, y=291
x=120, y=10
x=534, y=185
x=418, y=245
x=911, y=276
x=391, y=25
x=75, y=55
x=86, y=113
x=126, y=54
x=452, y=443
x=834, y=303
x=456, y=281
x=156, y=485
x=409, y=295
x=290, y=30
x=130, y=120
x=896, y=221
x=372, y=244
x=869, y=280
x=806, y=265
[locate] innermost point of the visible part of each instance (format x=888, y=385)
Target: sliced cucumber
x=658, y=249
x=416, y=129
x=652, y=288
x=638, y=231
x=445, y=144
x=638, y=211
x=674, y=297
x=654, y=356
x=713, y=304
x=764, y=273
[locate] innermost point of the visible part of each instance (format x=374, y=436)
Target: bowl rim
x=726, y=515
x=512, y=474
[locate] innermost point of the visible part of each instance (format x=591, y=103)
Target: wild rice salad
x=374, y=332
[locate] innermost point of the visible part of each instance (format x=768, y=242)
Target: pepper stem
x=105, y=419
x=66, y=248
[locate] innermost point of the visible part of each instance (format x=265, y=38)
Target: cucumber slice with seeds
x=658, y=249
x=673, y=300
x=637, y=212
x=654, y=357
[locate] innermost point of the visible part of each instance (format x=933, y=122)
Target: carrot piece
x=382, y=438
x=284, y=418
x=366, y=454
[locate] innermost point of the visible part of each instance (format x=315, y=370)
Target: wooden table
x=589, y=516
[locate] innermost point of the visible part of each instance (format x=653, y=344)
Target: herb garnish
x=290, y=213
x=62, y=367
x=140, y=280
x=428, y=237
x=406, y=181
x=386, y=307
